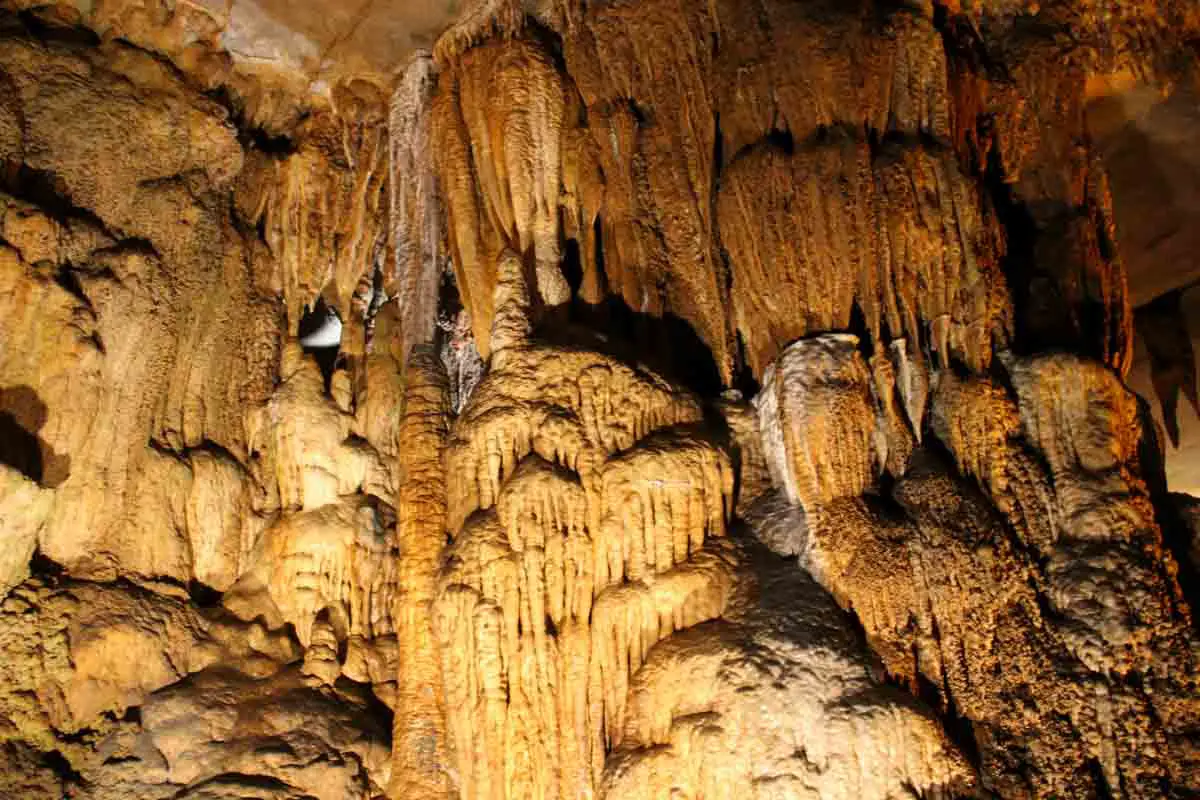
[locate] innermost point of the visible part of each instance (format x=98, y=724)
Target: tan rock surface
x=612, y=297
x=705, y=710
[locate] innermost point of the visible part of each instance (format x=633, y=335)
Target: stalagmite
x=703, y=711
x=333, y=560
x=571, y=555
x=420, y=758
x=816, y=421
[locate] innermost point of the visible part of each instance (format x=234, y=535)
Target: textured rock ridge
x=1056, y=577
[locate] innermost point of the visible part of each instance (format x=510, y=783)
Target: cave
x=627, y=399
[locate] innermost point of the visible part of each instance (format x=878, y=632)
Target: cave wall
x=729, y=400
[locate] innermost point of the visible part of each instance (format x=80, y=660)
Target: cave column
x=420, y=759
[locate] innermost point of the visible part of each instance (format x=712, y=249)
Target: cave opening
x=320, y=334
x=668, y=344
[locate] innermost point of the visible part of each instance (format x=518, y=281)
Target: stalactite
x=586, y=516
x=498, y=127
x=416, y=218
x=902, y=235
x=912, y=381
x=323, y=211
x=479, y=21
x=654, y=85
x=894, y=440
x=767, y=197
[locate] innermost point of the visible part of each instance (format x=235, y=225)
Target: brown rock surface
x=387, y=414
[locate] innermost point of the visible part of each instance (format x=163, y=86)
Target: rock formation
x=626, y=399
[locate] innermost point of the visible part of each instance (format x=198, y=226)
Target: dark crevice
x=1018, y=262
x=572, y=267
x=22, y=417
x=959, y=729
x=184, y=454
x=598, y=253
x=251, y=137
x=60, y=766
x=376, y=711
x=203, y=595
x=37, y=26
x=640, y=115
x=128, y=245
x=240, y=779
x=1099, y=781
x=20, y=448
x=781, y=140
x=858, y=326
x=43, y=567
x=215, y=449
x=666, y=344
x=116, y=760
x=551, y=43
x=49, y=192
x=744, y=380
x=385, y=512
x=67, y=278
x=718, y=157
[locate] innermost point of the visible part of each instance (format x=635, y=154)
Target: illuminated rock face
x=586, y=511
x=642, y=399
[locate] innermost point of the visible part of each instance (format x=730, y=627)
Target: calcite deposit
x=547, y=399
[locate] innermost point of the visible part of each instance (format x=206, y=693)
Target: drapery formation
x=730, y=402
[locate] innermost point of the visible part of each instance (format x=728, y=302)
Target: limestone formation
x=571, y=557
x=705, y=707
x=545, y=399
